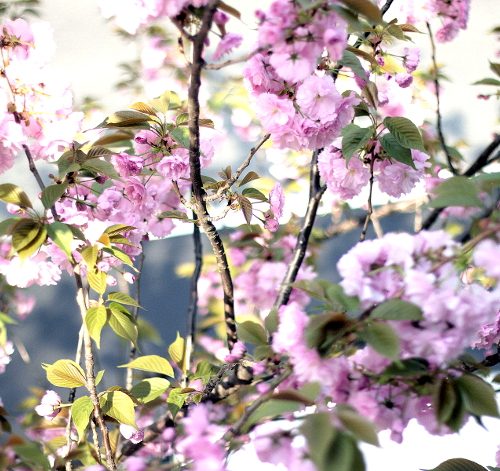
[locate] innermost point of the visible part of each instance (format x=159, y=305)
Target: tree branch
x=315, y=193
x=193, y=302
x=369, y=212
x=195, y=173
x=234, y=178
x=439, y=124
x=482, y=160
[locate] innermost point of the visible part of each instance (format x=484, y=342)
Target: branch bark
x=316, y=192
x=200, y=206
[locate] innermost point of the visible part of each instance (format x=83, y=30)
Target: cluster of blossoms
x=453, y=15
x=418, y=269
x=37, y=107
x=260, y=264
x=299, y=108
x=347, y=179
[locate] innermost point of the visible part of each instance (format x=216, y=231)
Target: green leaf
x=395, y=150
x=99, y=376
x=181, y=136
x=80, y=414
x=123, y=298
x=52, y=193
x=11, y=193
x=101, y=167
x=126, y=118
x=273, y=408
x=175, y=401
x=123, y=324
x=360, y=427
x=95, y=320
x=7, y=224
x=118, y=405
x=250, y=176
x=252, y=332
x=174, y=214
x=456, y=191
x=354, y=138
x=458, y=464
x=405, y=132
x=65, y=374
x=149, y=389
x=31, y=454
x=406, y=367
x=143, y=108
x=319, y=433
x=397, y=310
x=366, y=8
x=120, y=255
x=62, y=235
x=444, y=401
x=350, y=60
x=488, y=81
x=151, y=363
x=254, y=194
x=176, y=350
x=382, y=338
x=344, y=455
x=338, y=300
x=478, y=396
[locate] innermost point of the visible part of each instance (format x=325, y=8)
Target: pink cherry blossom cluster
x=259, y=269
x=201, y=441
x=36, y=106
x=299, y=107
x=420, y=269
x=454, y=15
x=346, y=179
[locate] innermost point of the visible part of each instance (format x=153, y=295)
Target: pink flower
x=342, y=179
x=487, y=256
x=175, y=166
x=294, y=62
x=237, y=353
x=274, y=112
x=335, y=42
x=318, y=98
x=49, y=406
x=226, y=45
x=24, y=304
x=127, y=165
x=411, y=59
x=6, y=350
x=403, y=80
x=131, y=433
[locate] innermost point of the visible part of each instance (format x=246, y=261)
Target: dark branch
x=315, y=193
x=439, y=124
x=369, y=212
x=193, y=301
x=195, y=173
x=482, y=160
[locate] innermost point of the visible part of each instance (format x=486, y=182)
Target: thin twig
x=193, y=301
x=129, y=378
x=481, y=161
x=234, y=178
x=236, y=60
x=439, y=124
x=316, y=191
x=195, y=173
x=71, y=397
x=369, y=212
x=237, y=428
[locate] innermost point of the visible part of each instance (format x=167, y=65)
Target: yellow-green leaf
x=97, y=280
x=118, y=405
x=122, y=298
x=80, y=413
x=151, y=363
x=62, y=235
x=95, y=320
x=176, y=350
x=65, y=374
x=123, y=324
x=24, y=233
x=52, y=193
x=89, y=255
x=11, y=193
x=360, y=427
x=149, y=389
